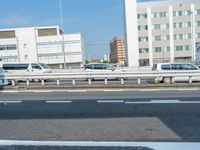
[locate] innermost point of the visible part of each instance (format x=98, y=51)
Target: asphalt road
x=101, y=116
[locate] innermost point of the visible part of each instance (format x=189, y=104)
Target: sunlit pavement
x=76, y=145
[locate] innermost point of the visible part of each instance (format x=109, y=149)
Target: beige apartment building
x=117, y=51
x=168, y=31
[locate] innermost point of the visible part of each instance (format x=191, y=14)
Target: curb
x=110, y=86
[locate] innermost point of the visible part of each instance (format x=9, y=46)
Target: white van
x=26, y=67
x=175, y=67
x=101, y=67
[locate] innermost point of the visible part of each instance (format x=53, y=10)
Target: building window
x=143, y=50
x=156, y=27
x=157, y=49
x=144, y=62
x=142, y=27
x=7, y=34
x=160, y=26
x=47, y=32
x=198, y=35
x=198, y=11
x=143, y=39
x=182, y=25
x=182, y=36
x=8, y=47
x=161, y=37
x=182, y=59
x=9, y=58
x=160, y=15
x=183, y=48
x=142, y=16
x=182, y=13
x=198, y=24
x=161, y=49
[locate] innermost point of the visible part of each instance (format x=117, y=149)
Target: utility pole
x=63, y=38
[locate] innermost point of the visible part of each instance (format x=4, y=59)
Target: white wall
x=26, y=39
x=131, y=33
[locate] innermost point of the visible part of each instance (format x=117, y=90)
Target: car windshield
x=109, y=67
x=44, y=66
x=2, y=70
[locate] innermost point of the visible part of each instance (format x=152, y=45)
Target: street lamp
x=62, y=26
x=193, y=45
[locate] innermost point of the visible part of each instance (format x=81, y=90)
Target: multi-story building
x=42, y=44
x=162, y=31
x=117, y=51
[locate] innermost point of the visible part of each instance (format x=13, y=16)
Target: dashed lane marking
x=163, y=102
x=149, y=90
x=58, y=102
x=110, y=101
x=10, y=102
x=113, y=90
x=76, y=91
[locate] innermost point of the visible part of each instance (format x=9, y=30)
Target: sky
x=99, y=21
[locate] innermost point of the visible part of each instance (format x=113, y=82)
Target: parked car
x=101, y=67
x=26, y=67
x=175, y=67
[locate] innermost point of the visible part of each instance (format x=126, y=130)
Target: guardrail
x=121, y=76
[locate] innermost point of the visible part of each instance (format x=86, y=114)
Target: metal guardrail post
x=89, y=81
x=172, y=80
x=122, y=81
x=139, y=81
x=106, y=81
x=27, y=82
x=42, y=81
x=13, y=82
x=58, y=82
x=190, y=79
x=73, y=82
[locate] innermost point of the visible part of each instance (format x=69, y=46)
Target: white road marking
x=113, y=90
x=10, y=102
x=110, y=101
x=58, y=101
x=190, y=102
x=163, y=102
x=187, y=89
x=9, y=91
x=76, y=91
x=152, y=145
x=137, y=102
x=40, y=91
x=149, y=90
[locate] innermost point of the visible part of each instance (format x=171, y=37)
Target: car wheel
x=167, y=80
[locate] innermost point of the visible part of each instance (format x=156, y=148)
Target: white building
x=161, y=31
x=42, y=44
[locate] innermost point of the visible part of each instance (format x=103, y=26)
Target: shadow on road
x=183, y=119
